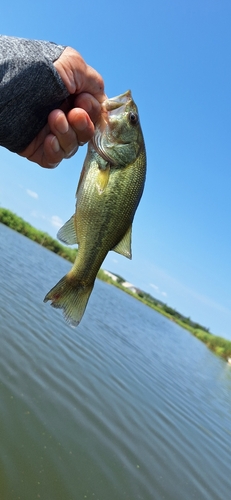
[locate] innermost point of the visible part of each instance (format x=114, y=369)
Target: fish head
x=118, y=137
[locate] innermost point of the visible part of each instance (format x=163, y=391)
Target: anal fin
x=124, y=247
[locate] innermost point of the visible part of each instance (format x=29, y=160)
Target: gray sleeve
x=30, y=87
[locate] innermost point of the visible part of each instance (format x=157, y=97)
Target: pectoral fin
x=67, y=233
x=102, y=179
x=124, y=247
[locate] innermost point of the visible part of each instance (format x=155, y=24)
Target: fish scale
x=108, y=193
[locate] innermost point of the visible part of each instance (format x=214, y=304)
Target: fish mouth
x=108, y=106
x=116, y=102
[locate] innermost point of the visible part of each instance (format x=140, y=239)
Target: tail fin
x=70, y=297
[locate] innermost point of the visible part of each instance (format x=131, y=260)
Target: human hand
x=73, y=124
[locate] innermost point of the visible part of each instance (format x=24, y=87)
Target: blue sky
x=175, y=56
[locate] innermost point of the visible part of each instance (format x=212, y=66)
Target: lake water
x=127, y=406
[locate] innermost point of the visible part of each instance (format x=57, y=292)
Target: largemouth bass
x=109, y=190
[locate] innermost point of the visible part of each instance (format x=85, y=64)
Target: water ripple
x=128, y=406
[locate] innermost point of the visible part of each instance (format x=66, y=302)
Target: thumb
x=78, y=76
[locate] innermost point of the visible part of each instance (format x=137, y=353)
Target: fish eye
x=133, y=117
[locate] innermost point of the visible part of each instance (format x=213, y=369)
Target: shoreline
x=220, y=346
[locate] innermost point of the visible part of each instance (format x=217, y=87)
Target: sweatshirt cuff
x=30, y=88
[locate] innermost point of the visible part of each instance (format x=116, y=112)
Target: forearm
x=30, y=87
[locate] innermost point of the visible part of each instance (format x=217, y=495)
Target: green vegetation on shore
x=218, y=345
x=14, y=222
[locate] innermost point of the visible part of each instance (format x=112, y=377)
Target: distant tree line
x=149, y=299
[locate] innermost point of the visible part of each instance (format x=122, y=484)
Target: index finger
x=90, y=104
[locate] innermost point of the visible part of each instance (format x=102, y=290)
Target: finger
x=81, y=124
x=51, y=152
x=90, y=104
x=35, y=144
x=67, y=139
x=93, y=84
x=45, y=154
x=44, y=150
x=71, y=130
x=78, y=76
